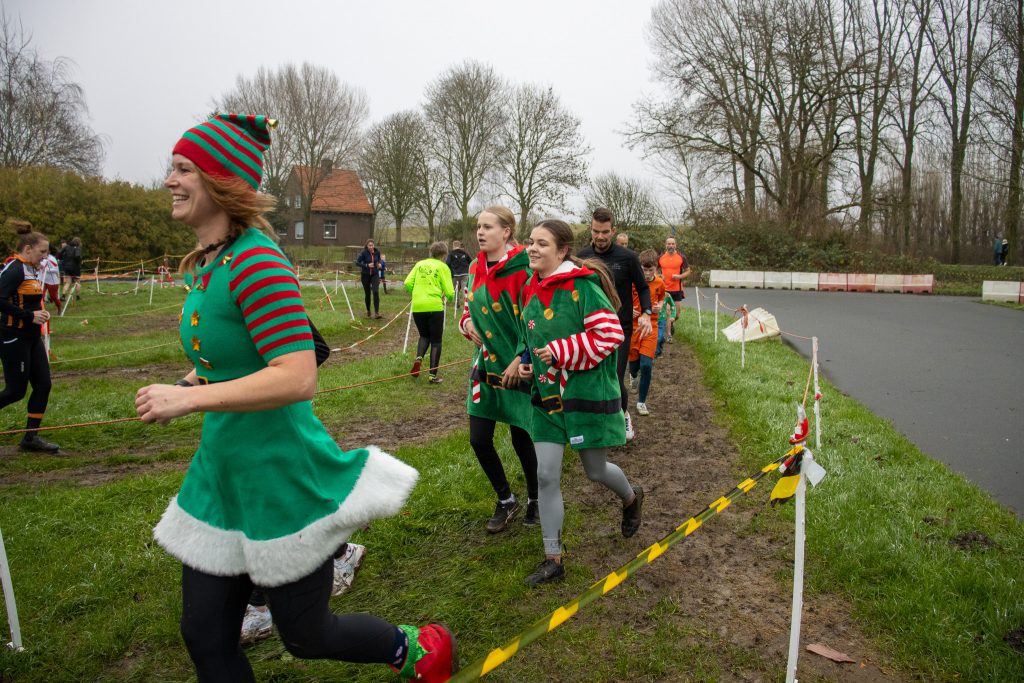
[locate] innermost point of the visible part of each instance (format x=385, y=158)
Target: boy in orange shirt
x=641, y=349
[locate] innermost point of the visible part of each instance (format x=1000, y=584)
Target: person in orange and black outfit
x=21, y=343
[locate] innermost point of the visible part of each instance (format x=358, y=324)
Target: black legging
x=213, y=608
x=25, y=363
x=481, y=438
x=430, y=325
x=371, y=282
x=620, y=365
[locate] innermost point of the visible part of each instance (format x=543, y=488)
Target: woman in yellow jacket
x=430, y=283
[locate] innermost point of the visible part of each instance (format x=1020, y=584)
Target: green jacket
x=576, y=399
x=429, y=281
x=493, y=306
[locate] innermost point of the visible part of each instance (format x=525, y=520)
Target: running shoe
x=631, y=513
x=547, y=571
x=256, y=625
x=504, y=513
x=641, y=408
x=37, y=444
x=532, y=516
x=345, y=567
x=432, y=657
x=630, y=433
x=415, y=372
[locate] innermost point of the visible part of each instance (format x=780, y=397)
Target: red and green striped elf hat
x=228, y=145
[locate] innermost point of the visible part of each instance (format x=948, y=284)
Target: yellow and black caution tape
x=499, y=656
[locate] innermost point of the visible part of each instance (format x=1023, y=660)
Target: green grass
x=100, y=601
x=880, y=525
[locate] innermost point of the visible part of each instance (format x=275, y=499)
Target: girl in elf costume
x=571, y=328
x=268, y=496
x=490, y=320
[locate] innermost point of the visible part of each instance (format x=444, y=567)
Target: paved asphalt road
x=948, y=371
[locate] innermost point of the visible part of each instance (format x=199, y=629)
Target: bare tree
x=390, y=162
x=629, y=199
x=960, y=42
x=432, y=195
x=43, y=115
x=542, y=151
x=264, y=94
x=465, y=114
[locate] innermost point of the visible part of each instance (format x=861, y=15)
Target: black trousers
x=621, y=361
x=25, y=363
x=481, y=438
x=213, y=608
x=371, y=284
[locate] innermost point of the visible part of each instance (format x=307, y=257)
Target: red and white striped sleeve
x=601, y=335
x=465, y=315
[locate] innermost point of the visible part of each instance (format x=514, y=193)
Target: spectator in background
x=458, y=262
x=997, y=251
x=60, y=262
x=71, y=258
x=430, y=283
x=622, y=239
x=369, y=262
x=51, y=279
x=1004, y=251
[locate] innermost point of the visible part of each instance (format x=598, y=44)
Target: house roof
x=340, y=192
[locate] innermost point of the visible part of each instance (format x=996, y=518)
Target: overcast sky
x=150, y=70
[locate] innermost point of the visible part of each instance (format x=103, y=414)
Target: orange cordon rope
x=108, y=355
x=378, y=331
x=133, y=419
x=80, y=424
x=388, y=379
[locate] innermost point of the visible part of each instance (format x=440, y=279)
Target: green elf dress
x=268, y=493
x=492, y=305
x=576, y=398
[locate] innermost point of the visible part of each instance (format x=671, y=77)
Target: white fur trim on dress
x=382, y=488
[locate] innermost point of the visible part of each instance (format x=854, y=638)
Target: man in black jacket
x=458, y=262
x=624, y=266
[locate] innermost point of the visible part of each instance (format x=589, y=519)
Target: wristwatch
x=647, y=311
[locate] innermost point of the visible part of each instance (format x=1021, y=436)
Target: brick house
x=341, y=213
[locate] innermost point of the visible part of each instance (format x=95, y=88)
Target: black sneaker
x=631, y=513
x=532, y=516
x=34, y=443
x=547, y=571
x=503, y=514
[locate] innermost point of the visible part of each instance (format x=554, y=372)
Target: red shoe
x=415, y=372
x=432, y=654
x=802, y=427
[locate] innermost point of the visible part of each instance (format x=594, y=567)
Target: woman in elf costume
x=490, y=319
x=269, y=496
x=571, y=329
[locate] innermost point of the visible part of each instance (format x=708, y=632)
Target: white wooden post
x=344, y=290
x=700, y=323
x=324, y=287
x=798, y=580
x=817, y=393
x=152, y=284
x=716, y=316
x=408, y=325
x=12, y=607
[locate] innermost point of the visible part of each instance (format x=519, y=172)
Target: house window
x=281, y=230
x=287, y=202
x=330, y=230
x=300, y=231
x=298, y=201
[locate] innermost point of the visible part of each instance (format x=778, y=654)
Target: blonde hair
x=506, y=218
x=243, y=205
x=564, y=237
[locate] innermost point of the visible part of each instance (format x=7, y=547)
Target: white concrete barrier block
x=750, y=279
x=808, y=281
x=995, y=290
x=774, y=280
x=722, y=278
x=889, y=283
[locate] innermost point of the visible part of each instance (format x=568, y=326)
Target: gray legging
x=549, y=479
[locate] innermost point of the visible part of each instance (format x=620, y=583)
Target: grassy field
x=931, y=566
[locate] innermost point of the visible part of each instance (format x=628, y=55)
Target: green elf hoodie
x=576, y=399
x=492, y=304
